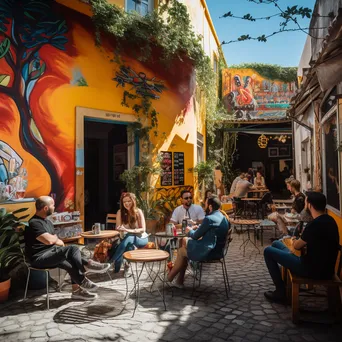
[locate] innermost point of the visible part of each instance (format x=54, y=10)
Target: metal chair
x=29, y=268
x=198, y=265
x=110, y=219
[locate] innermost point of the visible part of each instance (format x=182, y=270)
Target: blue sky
x=284, y=49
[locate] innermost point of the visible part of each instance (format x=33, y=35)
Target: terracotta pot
x=4, y=290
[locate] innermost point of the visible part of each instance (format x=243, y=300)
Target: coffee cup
x=96, y=228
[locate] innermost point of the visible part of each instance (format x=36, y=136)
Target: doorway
x=105, y=159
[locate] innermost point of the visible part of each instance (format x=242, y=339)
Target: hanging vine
x=167, y=28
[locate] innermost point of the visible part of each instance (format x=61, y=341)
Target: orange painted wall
x=61, y=88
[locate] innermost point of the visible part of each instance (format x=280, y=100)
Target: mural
x=25, y=28
x=142, y=85
x=248, y=96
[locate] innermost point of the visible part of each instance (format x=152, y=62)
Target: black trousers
x=67, y=258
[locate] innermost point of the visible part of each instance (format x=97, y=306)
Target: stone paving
x=208, y=316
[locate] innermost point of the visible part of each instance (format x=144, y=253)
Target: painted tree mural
x=25, y=27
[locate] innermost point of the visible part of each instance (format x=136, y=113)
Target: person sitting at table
x=297, y=206
x=193, y=213
x=130, y=221
x=321, y=240
x=208, y=193
x=288, y=184
x=241, y=176
x=242, y=187
x=259, y=180
x=44, y=249
x=200, y=244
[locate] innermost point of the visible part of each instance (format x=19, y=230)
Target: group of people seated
x=245, y=182
x=206, y=234
x=205, y=239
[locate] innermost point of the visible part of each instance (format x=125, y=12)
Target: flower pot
x=4, y=289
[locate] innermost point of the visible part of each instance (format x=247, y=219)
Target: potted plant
x=10, y=252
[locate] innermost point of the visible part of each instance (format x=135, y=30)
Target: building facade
x=63, y=124
x=316, y=108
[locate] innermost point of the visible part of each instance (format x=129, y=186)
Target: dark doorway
x=105, y=159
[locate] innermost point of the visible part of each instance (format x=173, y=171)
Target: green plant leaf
x=4, y=47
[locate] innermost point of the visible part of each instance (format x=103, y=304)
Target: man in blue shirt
x=204, y=243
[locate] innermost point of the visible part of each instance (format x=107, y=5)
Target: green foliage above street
x=168, y=29
x=271, y=71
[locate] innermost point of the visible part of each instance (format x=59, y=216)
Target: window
x=143, y=7
x=200, y=149
x=331, y=169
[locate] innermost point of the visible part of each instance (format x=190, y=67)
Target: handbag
x=101, y=251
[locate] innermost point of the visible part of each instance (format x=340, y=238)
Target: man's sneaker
x=83, y=294
x=276, y=296
x=96, y=267
x=174, y=284
x=88, y=285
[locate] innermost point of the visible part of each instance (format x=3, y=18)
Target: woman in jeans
x=130, y=222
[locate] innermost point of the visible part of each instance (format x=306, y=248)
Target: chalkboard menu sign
x=178, y=165
x=166, y=165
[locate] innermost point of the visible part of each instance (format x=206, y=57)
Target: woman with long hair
x=130, y=222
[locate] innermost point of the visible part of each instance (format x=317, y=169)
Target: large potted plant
x=10, y=252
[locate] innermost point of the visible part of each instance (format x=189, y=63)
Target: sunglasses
x=186, y=198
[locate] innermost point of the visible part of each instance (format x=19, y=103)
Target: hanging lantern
x=262, y=141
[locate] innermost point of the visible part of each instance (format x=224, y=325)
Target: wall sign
x=166, y=165
x=178, y=165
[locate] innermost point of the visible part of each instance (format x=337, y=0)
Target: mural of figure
x=25, y=28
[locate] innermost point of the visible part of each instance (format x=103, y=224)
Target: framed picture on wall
x=273, y=152
x=284, y=151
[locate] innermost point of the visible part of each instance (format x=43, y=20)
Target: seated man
x=242, y=187
x=321, y=239
x=44, y=249
x=201, y=243
x=193, y=213
x=241, y=176
x=297, y=206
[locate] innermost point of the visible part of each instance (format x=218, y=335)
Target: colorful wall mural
x=49, y=65
x=249, y=96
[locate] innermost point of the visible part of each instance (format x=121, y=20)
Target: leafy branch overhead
x=290, y=15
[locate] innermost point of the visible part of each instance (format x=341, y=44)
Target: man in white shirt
x=193, y=213
x=242, y=188
x=236, y=180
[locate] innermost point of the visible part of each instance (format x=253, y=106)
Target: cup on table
x=96, y=228
x=103, y=226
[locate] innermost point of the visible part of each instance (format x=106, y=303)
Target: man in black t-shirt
x=321, y=239
x=44, y=249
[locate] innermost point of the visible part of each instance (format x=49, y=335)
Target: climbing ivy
x=167, y=28
x=271, y=71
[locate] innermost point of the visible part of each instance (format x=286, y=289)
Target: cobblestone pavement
x=208, y=316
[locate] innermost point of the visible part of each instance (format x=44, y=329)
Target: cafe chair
x=29, y=268
x=197, y=266
x=334, y=287
x=110, y=220
x=264, y=204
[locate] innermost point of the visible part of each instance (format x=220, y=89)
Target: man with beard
x=44, y=249
x=321, y=240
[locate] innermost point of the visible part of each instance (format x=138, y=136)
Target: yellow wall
x=59, y=91
x=338, y=220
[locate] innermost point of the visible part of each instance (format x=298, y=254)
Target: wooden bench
x=334, y=287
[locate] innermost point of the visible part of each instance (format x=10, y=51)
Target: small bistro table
x=146, y=256
x=248, y=224
x=171, y=241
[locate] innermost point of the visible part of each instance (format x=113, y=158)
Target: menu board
x=166, y=165
x=178, y=165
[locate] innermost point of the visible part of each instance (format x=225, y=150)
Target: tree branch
x=6, y=90
x=264, y=38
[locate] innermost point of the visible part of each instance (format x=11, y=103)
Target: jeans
x=278, y=253
x=67, y=258
x=120, y=250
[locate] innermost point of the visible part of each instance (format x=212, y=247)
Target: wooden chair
x=197, y=266
x=334, y=287
x=110, y=219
